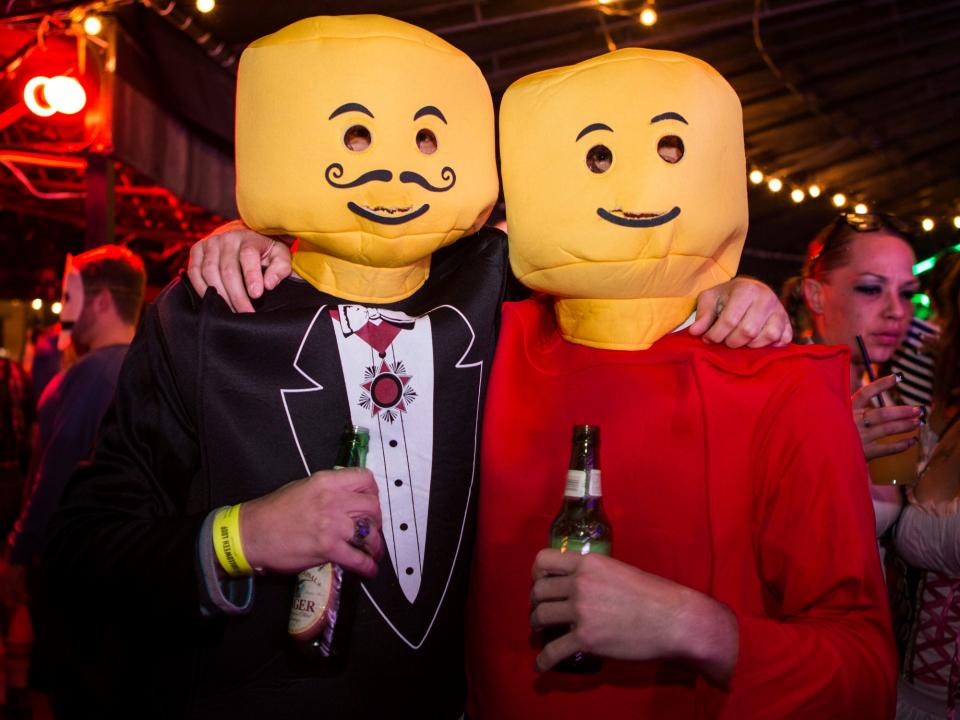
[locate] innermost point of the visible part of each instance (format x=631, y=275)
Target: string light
x=57, y=307
x=92, y=25
x=648, y=16
x=205, y=6
x=838, y=199
x=37, y=304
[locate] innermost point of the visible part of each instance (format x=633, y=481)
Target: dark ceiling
x=859, y=96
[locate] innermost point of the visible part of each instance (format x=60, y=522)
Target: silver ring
x=361, y=531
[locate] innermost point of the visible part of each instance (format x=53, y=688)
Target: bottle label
x=580, y=547
x=581, y=483
x=312, y=601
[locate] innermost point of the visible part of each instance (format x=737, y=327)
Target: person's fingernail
x=898, y=376
x=923, y=415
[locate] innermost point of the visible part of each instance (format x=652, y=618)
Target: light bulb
x=839, y=200
x=65, y=94
x=813, y=191
x=775, y=185
x=92, y=25
x=205, y=6
x=57, y=307
x=927, y=224
x=797, y=195
x=861, y=209
x=37, y=304
x=756, y=177
x=648, y=17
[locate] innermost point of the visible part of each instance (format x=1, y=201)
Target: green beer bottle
x=326, y=597
x=581, y=526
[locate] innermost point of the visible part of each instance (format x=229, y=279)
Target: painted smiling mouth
x=637, y=220
x=387, y=215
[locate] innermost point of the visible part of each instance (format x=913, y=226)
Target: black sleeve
x=513, y=289
x=123, y=529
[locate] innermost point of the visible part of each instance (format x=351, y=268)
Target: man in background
x=102, y=296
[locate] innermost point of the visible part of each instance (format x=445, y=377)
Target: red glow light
x=45, y=96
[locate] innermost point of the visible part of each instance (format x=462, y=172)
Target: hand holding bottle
x=309, y=522
x=618, y=611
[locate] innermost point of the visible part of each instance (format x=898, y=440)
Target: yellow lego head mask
x=369, y=139
x=624, y=179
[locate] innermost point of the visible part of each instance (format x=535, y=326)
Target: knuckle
x=581, y=588
x=542, y=556
x=750, y=327
x=773, y=330
x=536, y=616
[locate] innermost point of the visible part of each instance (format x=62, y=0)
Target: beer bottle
x=326, y=597
x=581, y=526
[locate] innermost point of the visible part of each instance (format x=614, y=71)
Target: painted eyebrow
x=668, y=116
x=349, y=107
x=591, y=127
x=429, y=110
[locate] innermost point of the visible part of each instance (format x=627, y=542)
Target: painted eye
x=599, y=158
x=670, y=148
x=357, y=138
x=426, y=142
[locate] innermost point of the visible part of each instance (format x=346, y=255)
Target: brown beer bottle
x=326, y=596
x=581, y=525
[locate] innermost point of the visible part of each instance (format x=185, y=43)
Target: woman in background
x=858, y=280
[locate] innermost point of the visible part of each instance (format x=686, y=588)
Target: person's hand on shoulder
x=742, y=312
x=239, y=263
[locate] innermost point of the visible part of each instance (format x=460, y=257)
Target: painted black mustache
x=408, y=176
x=335, y=171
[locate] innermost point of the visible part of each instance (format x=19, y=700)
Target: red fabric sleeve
x=823, y=648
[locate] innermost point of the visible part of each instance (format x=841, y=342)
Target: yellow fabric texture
x=625, y=251
x=370, y=242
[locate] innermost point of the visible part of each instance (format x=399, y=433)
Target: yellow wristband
x=226, y=541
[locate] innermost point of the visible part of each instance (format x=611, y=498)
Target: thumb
x=706, y=311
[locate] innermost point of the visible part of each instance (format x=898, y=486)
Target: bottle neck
x=352, y=455
x=587, y=502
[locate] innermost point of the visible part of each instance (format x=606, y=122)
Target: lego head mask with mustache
x=625, y=183
x=369, y=139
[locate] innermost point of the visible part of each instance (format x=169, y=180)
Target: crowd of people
x=181, y=478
